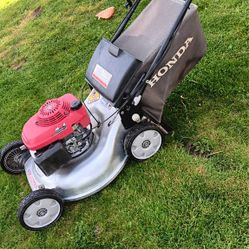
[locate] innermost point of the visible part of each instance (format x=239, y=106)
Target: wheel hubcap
x=146, y=144
x=42, y=213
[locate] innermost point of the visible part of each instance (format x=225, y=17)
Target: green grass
x=195, y=192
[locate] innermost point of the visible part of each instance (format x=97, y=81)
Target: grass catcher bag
x=143, y=39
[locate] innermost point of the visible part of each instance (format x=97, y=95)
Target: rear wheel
x=11, y=160
x=143, y=141
x=40, y=209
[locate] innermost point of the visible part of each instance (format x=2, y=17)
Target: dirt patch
x=201, y=170
x=13, y=33
x=19, y=64
x=37, y=12
x=4, y=54
x=31, y=15
x=98, y=231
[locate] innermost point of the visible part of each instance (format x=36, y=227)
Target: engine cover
x=54, y=121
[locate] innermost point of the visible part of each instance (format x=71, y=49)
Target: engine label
x=102, y=76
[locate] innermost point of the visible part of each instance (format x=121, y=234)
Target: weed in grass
x=201, y=147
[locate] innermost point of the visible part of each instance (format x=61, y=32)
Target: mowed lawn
x=195, y=192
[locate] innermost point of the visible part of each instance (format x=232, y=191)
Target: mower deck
x=94, y=170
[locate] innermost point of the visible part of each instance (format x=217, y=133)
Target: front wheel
x=12, y=156
x=40, y=209
x=143, y=141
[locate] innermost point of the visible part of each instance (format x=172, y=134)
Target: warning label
x=102, y=76
x=93, y=97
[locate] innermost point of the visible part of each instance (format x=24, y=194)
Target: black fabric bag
x=143, y=39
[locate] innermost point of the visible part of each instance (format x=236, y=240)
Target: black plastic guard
x=111, y=70
x=53, y=158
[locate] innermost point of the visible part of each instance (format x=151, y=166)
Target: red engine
x=57, y=120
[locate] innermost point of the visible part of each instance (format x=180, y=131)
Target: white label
x=102, y=76
x=34, y=185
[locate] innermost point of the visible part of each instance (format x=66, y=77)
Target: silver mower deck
x=94, y=170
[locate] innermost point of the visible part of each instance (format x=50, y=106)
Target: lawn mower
x=71, y=149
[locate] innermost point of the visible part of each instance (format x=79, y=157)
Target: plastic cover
x=110, y=71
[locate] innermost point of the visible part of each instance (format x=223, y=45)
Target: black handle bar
x=123, y=24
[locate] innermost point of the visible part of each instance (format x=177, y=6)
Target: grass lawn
x=195, y=192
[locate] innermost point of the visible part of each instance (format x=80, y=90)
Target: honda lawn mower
x=71, y=149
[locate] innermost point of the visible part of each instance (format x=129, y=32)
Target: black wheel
x=40, y=209
x=10, y=158
x=143, y=141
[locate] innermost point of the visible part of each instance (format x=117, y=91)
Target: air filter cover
x=53, y=112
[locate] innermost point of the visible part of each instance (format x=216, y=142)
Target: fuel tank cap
x=76, y=105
